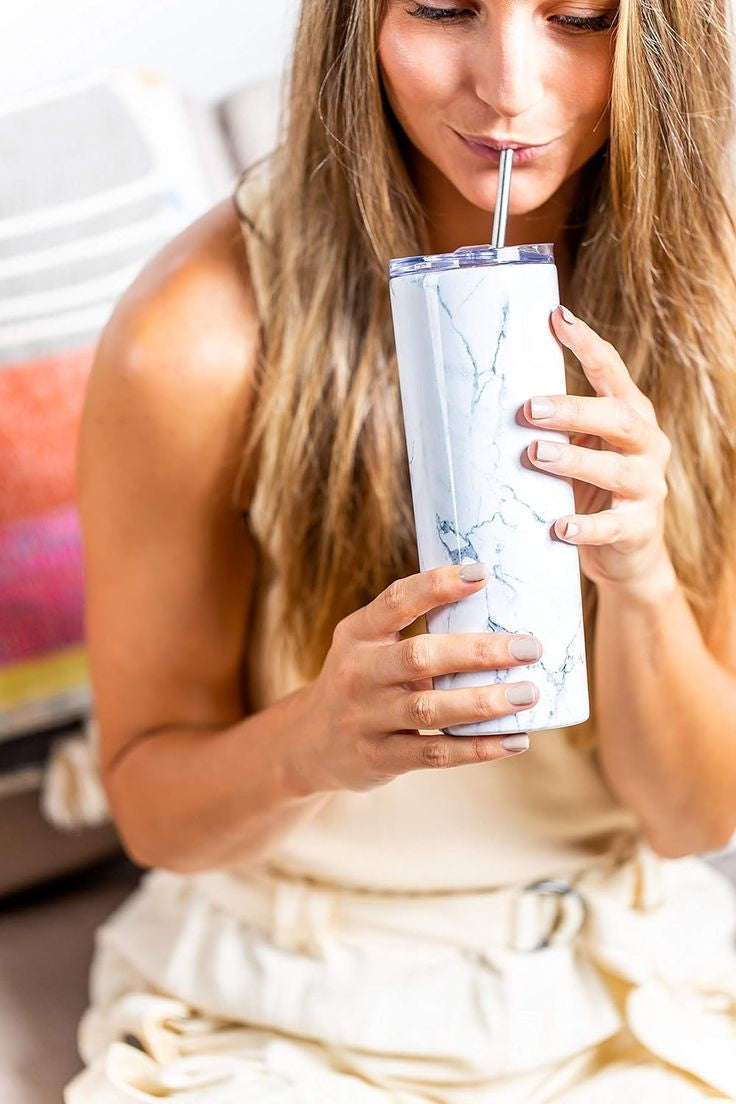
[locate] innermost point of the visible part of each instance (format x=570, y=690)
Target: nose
x=508, y=66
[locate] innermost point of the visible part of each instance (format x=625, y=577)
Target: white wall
x=207, y=47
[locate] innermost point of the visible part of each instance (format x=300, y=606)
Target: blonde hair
x=654, y=241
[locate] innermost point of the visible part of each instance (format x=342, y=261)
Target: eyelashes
x=594, y=23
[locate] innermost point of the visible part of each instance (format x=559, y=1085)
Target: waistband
x=295, y=912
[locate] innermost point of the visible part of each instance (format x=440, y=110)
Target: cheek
x=588, y=93
x=417, y=72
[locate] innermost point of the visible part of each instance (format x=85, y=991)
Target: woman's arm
x=170, y=565
x=665, y=701
x=191, y=800
x=665, y=706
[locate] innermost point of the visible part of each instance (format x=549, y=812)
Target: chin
x=527, y=195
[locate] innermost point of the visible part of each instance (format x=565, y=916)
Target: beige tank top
x=475, y=827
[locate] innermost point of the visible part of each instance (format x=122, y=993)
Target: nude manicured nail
x=523, y=693
x=516, y=743
x=524, y=647
x=473, y=572
x=542, y=408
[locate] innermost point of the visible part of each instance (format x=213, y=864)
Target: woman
x=336, y=911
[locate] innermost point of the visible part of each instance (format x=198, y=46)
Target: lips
x=501, y=143
x=490, y=149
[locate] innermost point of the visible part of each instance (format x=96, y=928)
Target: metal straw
x=500, y=215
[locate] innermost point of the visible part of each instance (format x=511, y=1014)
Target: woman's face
x=531, y=72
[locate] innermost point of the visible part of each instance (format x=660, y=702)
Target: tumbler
x=473, y=343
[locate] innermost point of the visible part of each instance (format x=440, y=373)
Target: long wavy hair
x=654, y=242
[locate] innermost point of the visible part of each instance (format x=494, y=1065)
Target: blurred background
x=120, y=123
x=208, y=50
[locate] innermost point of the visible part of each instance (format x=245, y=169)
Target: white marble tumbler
x=474, y=342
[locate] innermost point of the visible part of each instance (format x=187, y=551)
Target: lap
x=185, y=996
x=230, y=1065
x=141, y=1045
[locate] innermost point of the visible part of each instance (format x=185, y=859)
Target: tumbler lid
x=474, y=256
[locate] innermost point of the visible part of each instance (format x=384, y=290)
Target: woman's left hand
x=616, y=459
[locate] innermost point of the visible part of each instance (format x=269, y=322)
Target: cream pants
x=614, y=986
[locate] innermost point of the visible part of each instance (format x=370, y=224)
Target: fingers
x=626, y=476
x=469, y=705
x=406, y=599
x=401, y=752
x=626, y=528
x=613, y=420
x=422, y=656
x=600, y=360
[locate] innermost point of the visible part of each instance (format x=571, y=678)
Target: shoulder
x=178, y=353
x=191, y=308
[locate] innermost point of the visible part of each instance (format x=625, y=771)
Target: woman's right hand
x=374, y=690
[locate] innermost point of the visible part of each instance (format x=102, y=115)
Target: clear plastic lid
x=472, y=256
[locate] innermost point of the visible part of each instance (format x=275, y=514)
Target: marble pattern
x=473, y=344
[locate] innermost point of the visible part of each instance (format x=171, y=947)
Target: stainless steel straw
x=500, y=215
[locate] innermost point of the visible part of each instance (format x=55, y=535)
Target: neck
x=452, y=221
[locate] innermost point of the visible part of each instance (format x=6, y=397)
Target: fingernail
x=516, y=743
x=570, y=530
x=473, y=572
x=542, y=408
x=568, y=316
x=547, y=451
x=523, y=693
x=525, y=647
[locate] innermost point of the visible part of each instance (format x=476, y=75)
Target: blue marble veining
x=473, y=344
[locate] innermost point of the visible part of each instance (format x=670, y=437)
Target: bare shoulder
x=169, y=564
x=184, y=333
